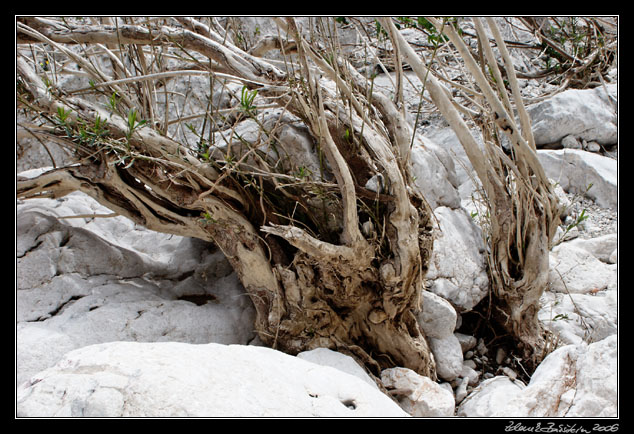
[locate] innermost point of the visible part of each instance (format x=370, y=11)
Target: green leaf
x=62, y=114
x=132, y=122
x=131, y=117
x=425, y=24
x=582, y=216
x=112, y=101
x=347, y=135
x=246, y=99
x=191, y=128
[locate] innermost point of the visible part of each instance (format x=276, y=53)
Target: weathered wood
x=357, y=293
x=523, y=208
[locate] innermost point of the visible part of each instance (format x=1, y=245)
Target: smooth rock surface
x=584, y=173
x=601, y=247
x=467, y=342
x=417, y=395
x=438, y=317
x=575, y=269
x=575, y=318
x=488, y=397
x=434, y=172
x=457, y=269
x=105, y=279
x=588, y=114
x=448, y=356
x=134, y=379
x=334, y=359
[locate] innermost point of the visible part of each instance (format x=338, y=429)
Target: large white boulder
x=602, y=247
x=575, y=318
x=588, y=114
x=486, y=399
x=434, y=172
x=575, y=269
x=133, y=379
x=437, y=317
x=161, y=254
x=572, y=381
x=38, y=347
x=457, y=269
x=463, y=175
x=581, y=301
x=584, y=173
x=448, y=356
x=92, y=280
x=334, y=359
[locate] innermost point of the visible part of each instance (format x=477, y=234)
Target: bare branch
x=527, y=131
x=438, y=95
x=503, y=119
x=249, y=67
x=314, y=247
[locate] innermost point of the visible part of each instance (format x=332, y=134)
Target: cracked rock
x=572, y=381
x=103, y=280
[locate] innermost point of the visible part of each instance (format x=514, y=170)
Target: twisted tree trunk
x=524, y=211
x=326, y=261
x=352, y=288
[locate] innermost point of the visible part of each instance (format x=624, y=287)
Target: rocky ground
x=116, y=320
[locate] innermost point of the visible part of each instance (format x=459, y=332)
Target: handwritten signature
x=551, y=427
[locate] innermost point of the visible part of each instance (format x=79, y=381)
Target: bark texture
x=326, y=262
x=524, y=211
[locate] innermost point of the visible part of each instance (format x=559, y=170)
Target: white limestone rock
x=446, y=139
x=419, y=396
x=437, y=317
x=601, y=247
x=467, y=342
x=457, y=269
x=132, y=379
x=101, y=280
x=38, y=347
x=490, y=395
x=434, y=172
x=575, y=170
x=572, y=381
x=575, y=269
x=469, y=373
x=334, y=359
x=588, y=114
x=575, y=318
x=448, y=356
x=570, y=142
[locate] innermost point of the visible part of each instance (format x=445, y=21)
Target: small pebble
x=461, y=390
x=509, y=373
x=481, y=348
x=500, y=355
x=467, y=342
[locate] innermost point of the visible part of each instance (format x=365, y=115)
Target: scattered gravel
x=600, y=221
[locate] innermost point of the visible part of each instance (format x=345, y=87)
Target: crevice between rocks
x=59, y=308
